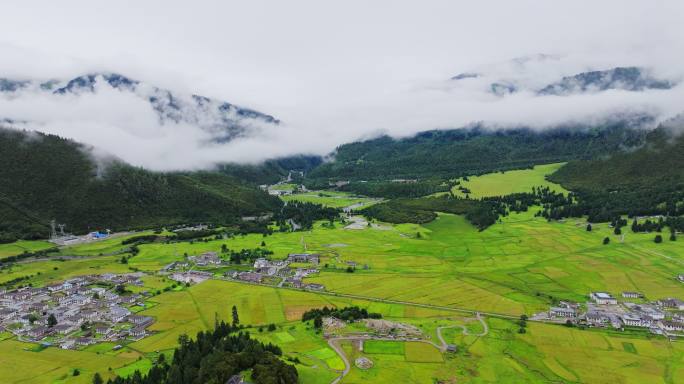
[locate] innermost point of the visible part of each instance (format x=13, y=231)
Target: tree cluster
x=46, y=177
x=214, y=357
x=345, y=314
x=449, y=154
x=304, y=214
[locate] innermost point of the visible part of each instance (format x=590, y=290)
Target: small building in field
x=596, y=318
x=671, y=303
x=673, y=326
x=562, y=312
x=633, y=320
x=251, y=277
x=313, y=258
x=314, y=287
x=603, y=298
x=632, y=295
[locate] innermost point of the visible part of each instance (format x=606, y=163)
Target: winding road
x=485, y=331
x=334, y=343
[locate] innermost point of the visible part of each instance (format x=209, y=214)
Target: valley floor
x=410, y=274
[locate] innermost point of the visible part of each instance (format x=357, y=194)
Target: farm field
x=21, y=246
x=520, y=265
x=334, y=199
x=19, y=363
x=283, y=187
x=523, y=264
x=499, y=184
x=544, y=352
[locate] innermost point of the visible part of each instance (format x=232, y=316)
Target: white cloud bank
x=332, y=72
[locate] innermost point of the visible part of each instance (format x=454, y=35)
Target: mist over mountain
x=625, y=78
x=47, y=177
x=221, y=120
x=517, y=75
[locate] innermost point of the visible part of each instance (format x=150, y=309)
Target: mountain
x=272, y=171
x=648, y=180
x=46, y=177
x=625, y=78
x=223, y=120
x=467, y=151
x=658, y=160
x=515, y=76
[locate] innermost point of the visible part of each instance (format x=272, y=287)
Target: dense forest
x=454, y=153
x=304, y=214
x=646, y=181
x=213, y=358
x=46, y=177
x=344, y=314
x=480, y=213
x=397, y=188
x=271, y=171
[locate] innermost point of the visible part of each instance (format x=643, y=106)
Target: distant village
x=664, y=316
x=264, y=271
x=77, y=312
x=85, y=310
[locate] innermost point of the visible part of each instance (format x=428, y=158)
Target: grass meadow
x=21, y=246
x=520, y=265
x=505, y=183
x=334, y=199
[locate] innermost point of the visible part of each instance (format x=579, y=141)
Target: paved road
x=334, y=343
x=390, y=301
x=485, y=331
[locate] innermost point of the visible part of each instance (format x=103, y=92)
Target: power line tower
x=61, y=229
x=53, y=230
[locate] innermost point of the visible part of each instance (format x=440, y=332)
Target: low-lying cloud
x=332, y=74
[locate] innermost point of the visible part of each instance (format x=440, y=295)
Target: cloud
x=331, y=72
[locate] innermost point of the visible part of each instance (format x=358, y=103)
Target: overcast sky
x=333, y=71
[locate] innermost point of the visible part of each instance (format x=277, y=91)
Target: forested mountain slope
x=459, y=152
x=648, y=180
x=46, y=177
x=659, y=161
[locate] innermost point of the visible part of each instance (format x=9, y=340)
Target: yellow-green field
x=520, y=265
x=21, y=246
x=546, y=353
x=333, y=199
x=19, y=364
x=505, y=183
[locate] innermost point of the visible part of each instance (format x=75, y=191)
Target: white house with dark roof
x=603, y=298
x=562, y=312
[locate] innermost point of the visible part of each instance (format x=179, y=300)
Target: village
x=89, y=309
x=80, y=311
x=197, y=269
x=664, y=316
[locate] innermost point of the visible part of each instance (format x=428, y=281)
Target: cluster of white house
x=80, y=311
x=264, y=268
x=603, y=309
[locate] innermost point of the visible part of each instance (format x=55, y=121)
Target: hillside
x=221, y=120
x=649, y=180
x=659, y=160
x=46, y=177
x=453, y=153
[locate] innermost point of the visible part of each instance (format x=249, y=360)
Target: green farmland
x=21, y=246
x=505, y=183
x=332, y=199
x=521, y=265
